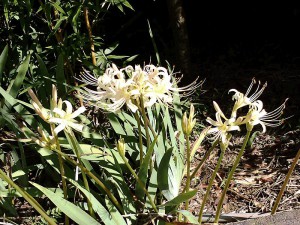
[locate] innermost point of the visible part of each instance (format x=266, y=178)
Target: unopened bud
x=121, y=146
x=188, y=124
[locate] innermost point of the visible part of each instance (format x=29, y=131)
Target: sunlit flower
x=65, y=118
x=220, y=128
x=257, y=115
x=133, y=87
x=242, y=100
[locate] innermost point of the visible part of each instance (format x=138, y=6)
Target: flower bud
x=188, y=124
x=121, y=146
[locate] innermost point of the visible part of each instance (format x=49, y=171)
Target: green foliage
x=88, y=175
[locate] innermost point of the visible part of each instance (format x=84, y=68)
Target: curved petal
x=231, y=128
x=59, y=128
x=78, y=112
x=217, y=108
x=76, y=126
x=212, y=122
x=69, y=107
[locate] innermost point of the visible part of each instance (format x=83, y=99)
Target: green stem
x=188, y=170
x=236, y=162
x=188, y=166
x=210, y=183
x=139, y=182
x=137, y=118
x=61, y=169
x=202, y=161
x=85, y=181
x=145, y=119
x=96, y=179
x=28, y=198
x=285, y=183
x=148, y=123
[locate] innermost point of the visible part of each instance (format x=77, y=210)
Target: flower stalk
x=121, y=149
x=230, y=175
x=137, y=118
x=145, y=119
x=286, y=180
x=213, y=176
x=61, y=168
x=188, y=169
x=74, y=143
x=199, y=166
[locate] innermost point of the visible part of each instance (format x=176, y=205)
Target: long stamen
x=250, y=87
x=277, y=110
x=257, y=93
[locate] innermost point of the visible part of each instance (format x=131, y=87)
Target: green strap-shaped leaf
x=163, y=169
x=72, y=211
x=191, y=218
x=6, y=204
x=22, y=70
x=19, y=108
x=116, y=124
x=106, y=217
x=143, y=172
x=3, y=58
x=180, y=198
x=57, y=7
x=60, y=76
x=45, y=73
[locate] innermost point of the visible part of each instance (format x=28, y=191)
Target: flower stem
x=235, y=164
x=145, y=119
x=210, y=183
x=89, y=28
x=139, y=182
x=188, y=170
x=188, y=167
x=285, y=183
x=61, y=169
x=202, y=161
x=137, y=118
x=28, y=198
x=74, y=143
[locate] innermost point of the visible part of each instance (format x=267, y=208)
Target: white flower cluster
x=64, y=117
x=256, y=114
x=132, y=86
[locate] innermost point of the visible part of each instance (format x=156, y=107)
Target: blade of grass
x=106, y=217
x=22, y=70
x=72, y=211
x=3, y=58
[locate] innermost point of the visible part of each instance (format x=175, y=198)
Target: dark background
x=229, y=45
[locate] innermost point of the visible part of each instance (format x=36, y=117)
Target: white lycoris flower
x=220, y=128
x=133, y=86
x=65, y=118
x=242, y=100
x=257, y=115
